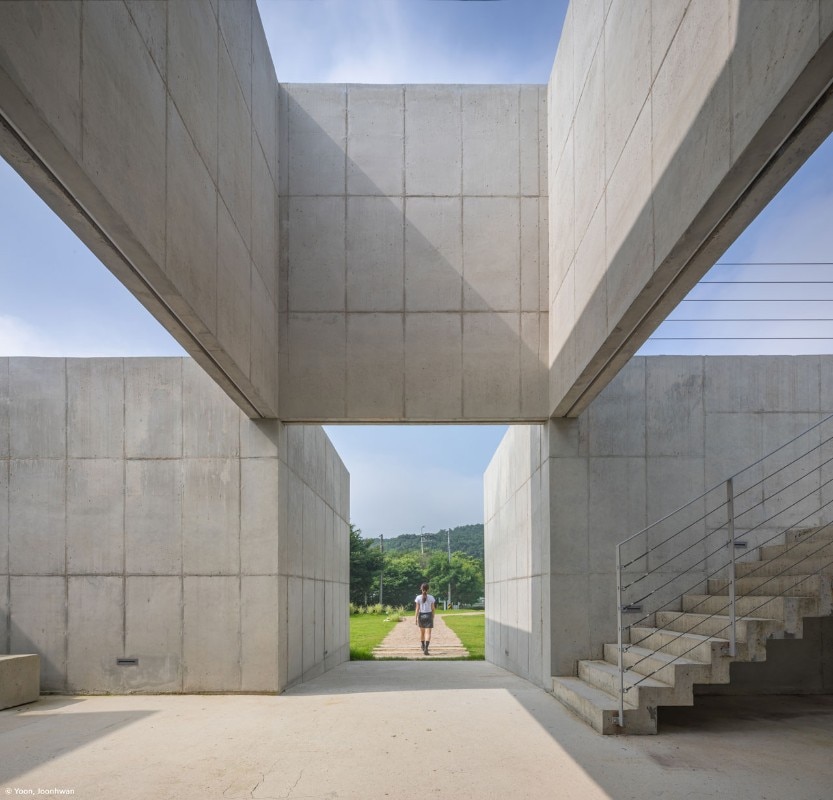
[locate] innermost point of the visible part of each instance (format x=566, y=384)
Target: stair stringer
x=665, y=663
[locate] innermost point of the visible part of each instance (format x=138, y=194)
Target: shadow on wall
x=516, y=650
x=403, y=307
x=725, y=168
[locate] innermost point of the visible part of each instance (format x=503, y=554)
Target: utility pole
x=422, y=541
x=382, y=573
x=448, y=536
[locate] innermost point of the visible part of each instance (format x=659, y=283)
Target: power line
x=739, y=338
x=774, y=264
x=760, y=300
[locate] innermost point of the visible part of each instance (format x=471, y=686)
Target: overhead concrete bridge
x=379, y=254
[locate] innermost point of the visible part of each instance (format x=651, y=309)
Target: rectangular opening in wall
x=417, y=514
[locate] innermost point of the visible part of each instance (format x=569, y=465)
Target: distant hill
x=466, y=539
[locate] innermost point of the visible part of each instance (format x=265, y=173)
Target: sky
x=56, y=299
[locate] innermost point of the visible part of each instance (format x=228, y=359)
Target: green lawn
x=366, y=631
x=471, y=629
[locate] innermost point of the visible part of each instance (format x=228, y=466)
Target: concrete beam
x=671, y=126
x=151, y=131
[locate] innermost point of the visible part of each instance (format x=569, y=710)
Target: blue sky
x=58, y=300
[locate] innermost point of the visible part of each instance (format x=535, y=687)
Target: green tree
x=464, y=573
x=365, y=566
x=404, y=572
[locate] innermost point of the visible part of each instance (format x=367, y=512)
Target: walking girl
x=424, y=615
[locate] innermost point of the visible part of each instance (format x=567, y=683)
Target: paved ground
x=406, y=729
x=403, y=642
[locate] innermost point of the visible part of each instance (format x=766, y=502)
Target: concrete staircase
x=673, y=650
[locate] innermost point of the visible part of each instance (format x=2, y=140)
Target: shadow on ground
x=51, y=728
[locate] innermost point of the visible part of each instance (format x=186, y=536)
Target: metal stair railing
x=790, y=488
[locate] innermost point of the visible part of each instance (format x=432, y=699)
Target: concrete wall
x=315, y=553
x=142, y=515
x=151, y=129
x=517, y=541
x=661, y=433
x=671, y=125
x=414, y=253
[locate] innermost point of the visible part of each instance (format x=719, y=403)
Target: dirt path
x=403, y=642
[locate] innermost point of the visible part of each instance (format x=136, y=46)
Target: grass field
x=471, y=629
x=366, y=631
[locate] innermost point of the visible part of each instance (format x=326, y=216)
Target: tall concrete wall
x=151, y=129
x=660, y=434
x=142, y=515
x=517, y=542
x=414, y=253
x=671, y=125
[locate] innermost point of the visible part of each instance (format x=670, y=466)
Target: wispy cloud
x=19, y=338
x=89, y=338
x=373, y=41
x=392, y=495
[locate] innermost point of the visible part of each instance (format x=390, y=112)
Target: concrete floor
x=409, y=729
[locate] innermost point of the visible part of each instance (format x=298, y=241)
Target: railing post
x=621, y=720
x=730, y=507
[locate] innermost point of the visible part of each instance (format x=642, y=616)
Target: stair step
x=640, y=690
x=820, y=586
x=689, y=645
x=599, y=709
x=713, y=625
x=751, y=632
x=785, y=566
x=789, y=610
x=806, y=547
x=817, y=534
x=665, y=667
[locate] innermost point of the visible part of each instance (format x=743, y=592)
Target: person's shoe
x=426, y=647
x=422, y=645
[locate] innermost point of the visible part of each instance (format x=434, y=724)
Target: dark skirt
x=426, y=619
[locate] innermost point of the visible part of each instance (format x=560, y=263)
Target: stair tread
x=630, y=677
x=667, y=658
x=810, y=581
x=598, y=697
x=761, y=598
x=716, y=616
x=680, y=635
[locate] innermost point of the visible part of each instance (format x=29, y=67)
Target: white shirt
x=425, y=605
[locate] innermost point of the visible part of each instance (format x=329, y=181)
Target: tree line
x=402, y=567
